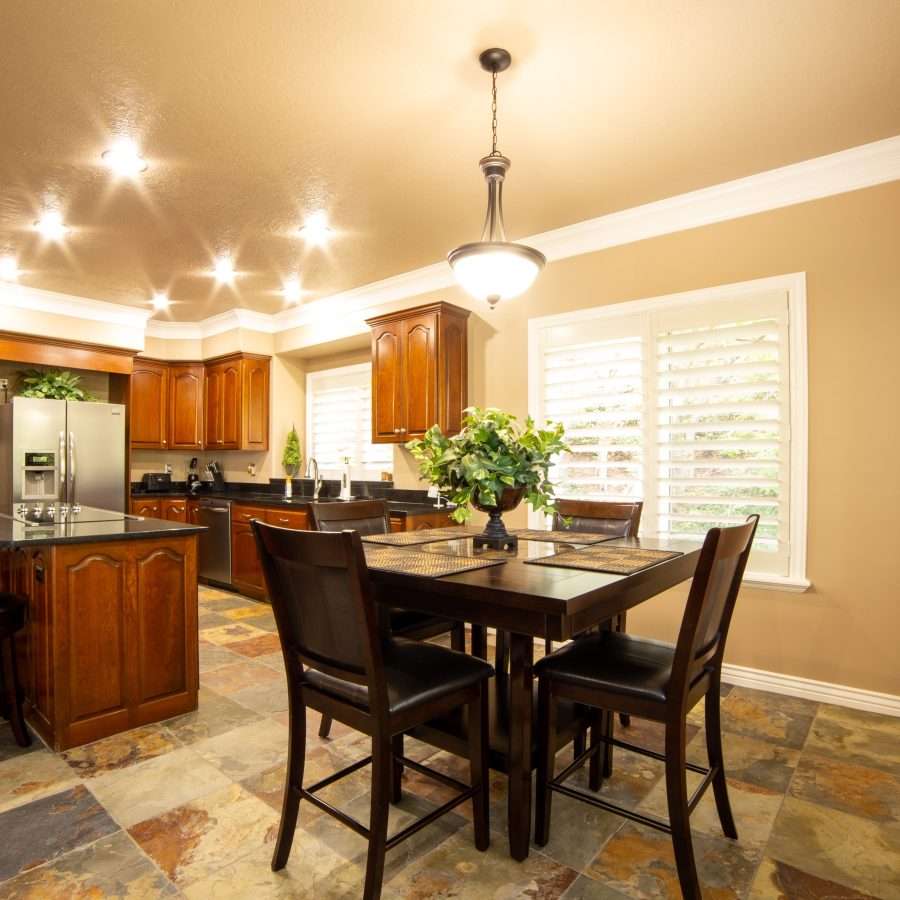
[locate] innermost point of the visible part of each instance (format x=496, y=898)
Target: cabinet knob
x=396, y=431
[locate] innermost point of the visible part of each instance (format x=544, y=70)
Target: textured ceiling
x=253, y=114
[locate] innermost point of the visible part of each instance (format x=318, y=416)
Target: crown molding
x=21, y=296
x=814, y=179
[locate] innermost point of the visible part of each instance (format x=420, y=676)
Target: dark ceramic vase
x=495, y=536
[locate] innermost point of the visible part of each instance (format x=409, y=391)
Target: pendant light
x=494, y=268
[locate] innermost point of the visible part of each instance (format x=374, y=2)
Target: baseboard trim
x=822, y=691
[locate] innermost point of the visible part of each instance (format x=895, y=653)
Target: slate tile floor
x=190, y=807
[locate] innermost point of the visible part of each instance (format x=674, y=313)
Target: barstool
x=13, y=609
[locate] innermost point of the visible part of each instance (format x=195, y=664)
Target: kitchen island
x=111, y=641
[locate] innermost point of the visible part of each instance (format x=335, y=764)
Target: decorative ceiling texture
x=253, y=115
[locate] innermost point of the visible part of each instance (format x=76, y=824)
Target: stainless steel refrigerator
x=63, y=451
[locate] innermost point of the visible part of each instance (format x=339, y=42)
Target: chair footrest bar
x=338, y=814
x=433, y=774
x=701, y=788
x=410, y=830
x=640, y=818
x=646, y=751
x=578, y=762
x=337, y=776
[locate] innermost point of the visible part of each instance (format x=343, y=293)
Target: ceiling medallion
x=494, y=268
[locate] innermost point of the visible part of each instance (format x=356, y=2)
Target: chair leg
x=478, y=767
x=396, y=768
x=546, y=770
x=325, y=726
x=609, y=721
x=679, y=817
x=13, y=693
x=293, y=783
x=378, y=819
x=479, y=641
x=598, y=728
x=458, y=637
x=548, y=646
x=620, y=626
x=579, y=743
x=717, y=761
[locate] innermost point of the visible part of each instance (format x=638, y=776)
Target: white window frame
x=795, y=285
x=358, y=470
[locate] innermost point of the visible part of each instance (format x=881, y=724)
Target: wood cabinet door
x=148, y=508
x=212, y=407
x=193, y=512
x=420, y=521
x=255, y=404
x=288, y=518
x=163, y=641
x=149, y=405
x=419, y=392
x=387, y=383
x=246, y=571
x=175, y=510
x=185, y=407
x=230, y=428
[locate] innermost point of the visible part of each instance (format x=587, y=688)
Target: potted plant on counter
x=290, y=461
x=492, y=464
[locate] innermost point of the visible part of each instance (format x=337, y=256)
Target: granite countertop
x=17, y=534
x=270, y=498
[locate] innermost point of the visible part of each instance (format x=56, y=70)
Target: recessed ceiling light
x=160, y=301
x=223, y=269
x=292, y=289
x=51, y=225
x=316, y=231
x=9, y=268
x=124, y=158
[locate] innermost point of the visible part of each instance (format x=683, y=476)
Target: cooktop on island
x=57, y=513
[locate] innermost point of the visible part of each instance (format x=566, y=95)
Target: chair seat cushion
x=613, y=662
x=12, y=612
x=415, y=672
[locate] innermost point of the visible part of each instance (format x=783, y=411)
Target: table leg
x=520, y=725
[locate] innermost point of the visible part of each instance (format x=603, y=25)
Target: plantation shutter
x=684, y=406
x=723, y=422
x=339, y=423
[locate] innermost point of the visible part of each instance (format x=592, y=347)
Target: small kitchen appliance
x=157, y=482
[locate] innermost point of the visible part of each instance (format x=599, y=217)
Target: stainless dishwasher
x=215, y=542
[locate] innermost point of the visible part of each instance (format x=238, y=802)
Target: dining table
x=526, y=592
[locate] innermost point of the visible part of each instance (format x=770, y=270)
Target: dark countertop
x=263, y=498
x=16, y=534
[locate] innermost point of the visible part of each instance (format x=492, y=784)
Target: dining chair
x=13, y=613
x=340, y=661
x=614, y=672
x=371, y=517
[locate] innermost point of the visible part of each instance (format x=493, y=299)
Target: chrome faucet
x=312, y=465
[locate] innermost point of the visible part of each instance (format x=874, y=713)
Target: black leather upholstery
x=613, y=662
x=364, y=516
x=12, y=613
x=615, y=527
x=415, y=673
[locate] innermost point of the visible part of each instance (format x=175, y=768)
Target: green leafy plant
x=491, y=452
x=290, y=459
x=52, y=384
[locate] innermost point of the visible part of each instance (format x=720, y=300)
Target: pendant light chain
x=494, y=150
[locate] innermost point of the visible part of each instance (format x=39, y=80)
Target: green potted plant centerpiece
x=290, y=461
x=492, y=464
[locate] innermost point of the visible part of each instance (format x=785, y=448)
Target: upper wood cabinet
x=419, y=372
x=149, y=404
x=236, y=403
x=185, y=425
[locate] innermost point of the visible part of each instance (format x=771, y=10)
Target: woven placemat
x=418, y=562
x=615, y=560
x=562, y=537
x=425, y=536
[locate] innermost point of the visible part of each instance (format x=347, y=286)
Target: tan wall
x=844, y=630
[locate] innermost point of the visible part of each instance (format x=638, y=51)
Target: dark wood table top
x=544, y=601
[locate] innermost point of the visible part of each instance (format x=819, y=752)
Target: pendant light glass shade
x=493, y=268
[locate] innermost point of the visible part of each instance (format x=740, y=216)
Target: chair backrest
x=364, y=516
x=714, y=590
x=321, y=596
x=598, y=517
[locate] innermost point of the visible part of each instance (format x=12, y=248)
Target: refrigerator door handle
x=71, y=499
x=62, y=466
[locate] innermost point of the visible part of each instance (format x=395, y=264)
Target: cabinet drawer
x=148, y=508
x=173, y=510
x=288, y=518
x=241, y=513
